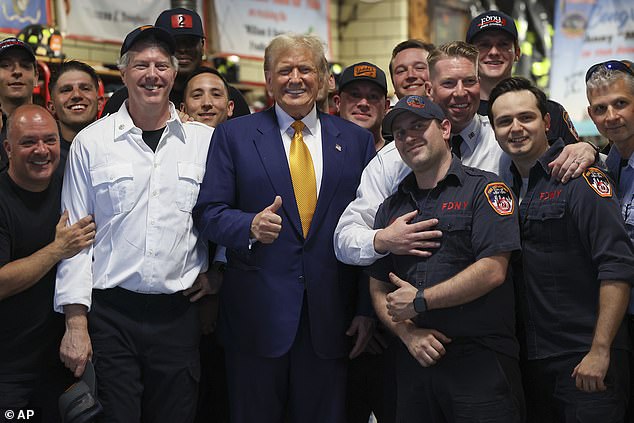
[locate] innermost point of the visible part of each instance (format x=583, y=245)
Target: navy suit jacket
x=263, y=288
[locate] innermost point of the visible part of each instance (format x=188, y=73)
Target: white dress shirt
x=354, y=236
x=141, y=202
x=311, y=134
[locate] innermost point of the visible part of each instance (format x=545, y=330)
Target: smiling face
x=206, y=99
x=455, y=87
x=498, y=52
x=519, y=126
x=33, y=147
x=293, y=81
x=410, y=72
x=149, y=76
x=612, y=111
x=74, y=100
x=364, y=103
x=422, y=143
x=17, y=76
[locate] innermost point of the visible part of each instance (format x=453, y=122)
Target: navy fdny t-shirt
x=477, y=215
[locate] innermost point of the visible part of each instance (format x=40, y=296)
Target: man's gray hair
x=604, y=78
x=125, y=59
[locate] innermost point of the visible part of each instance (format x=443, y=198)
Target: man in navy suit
x=276, y=184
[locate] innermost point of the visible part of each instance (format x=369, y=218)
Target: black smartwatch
x=420, y=305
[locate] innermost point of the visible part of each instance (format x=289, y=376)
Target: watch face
x=420, y=306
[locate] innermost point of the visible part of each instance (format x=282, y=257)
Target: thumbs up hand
x=267, y=224
x=400, y=303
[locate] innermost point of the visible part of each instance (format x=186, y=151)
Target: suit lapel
x=268, y=143
x=333, y=152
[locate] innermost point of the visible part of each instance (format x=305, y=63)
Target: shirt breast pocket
x=546, y=224
x=456, y=240
x=190, y=176
x=114, y=188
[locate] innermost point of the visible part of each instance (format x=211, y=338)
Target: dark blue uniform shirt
x=573, y=237
x=478, y=218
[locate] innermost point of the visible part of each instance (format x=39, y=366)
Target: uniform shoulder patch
x=500, y=198
x=598, y=181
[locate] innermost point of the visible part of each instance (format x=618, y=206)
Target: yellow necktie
x=303, y=177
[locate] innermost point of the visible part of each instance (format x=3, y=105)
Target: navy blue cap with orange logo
x=419, y=105
x=363, y=71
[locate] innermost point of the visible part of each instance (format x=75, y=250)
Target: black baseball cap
x=79, y=404
x=492, y=19
x=145, y=31
x=180, y=21
x=363, y=71
x=13, y=43
x=422, y=106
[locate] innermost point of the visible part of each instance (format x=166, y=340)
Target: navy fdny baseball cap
x=13, y=43
x=363, y=71
x=419, y=105
x=180, y=21
x=492, y=19
x=146, y=31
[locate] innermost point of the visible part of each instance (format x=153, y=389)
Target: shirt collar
x=614, y=160
x=455, y=172
x=551, y=154
x=471, y=133
x=123, y=123
x=284, y=120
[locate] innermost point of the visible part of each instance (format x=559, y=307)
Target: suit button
x=301, y=279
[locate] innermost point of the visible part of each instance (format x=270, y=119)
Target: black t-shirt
x=30, y=331
x=478, y=218
x=64, y=148
x=152, y=138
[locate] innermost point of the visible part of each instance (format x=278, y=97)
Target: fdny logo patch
x=598, y=181
x=364, y=70
x=500, y=198
x=491, y=20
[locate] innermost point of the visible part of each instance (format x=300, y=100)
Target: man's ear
x=428, y=89
x=230, y=105
x=7, y=148
x=51, y=108
x=337, y=100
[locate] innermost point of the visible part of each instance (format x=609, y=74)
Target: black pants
x=371, y=386
x=552, y=396
x=471, y=383
x=146, y=356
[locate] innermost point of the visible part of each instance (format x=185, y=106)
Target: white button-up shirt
x=354, y=236
x=141, y=202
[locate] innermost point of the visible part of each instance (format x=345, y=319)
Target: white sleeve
x=74, y=275
x=354, y=236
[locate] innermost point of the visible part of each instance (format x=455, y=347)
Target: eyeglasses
x=617, y=65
